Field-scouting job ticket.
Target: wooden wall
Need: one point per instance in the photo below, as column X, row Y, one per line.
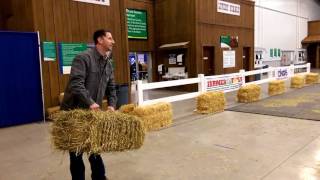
column 71, row 21
column 175, row 22
column 212, row 24
column 314, row 27
column 16, row 15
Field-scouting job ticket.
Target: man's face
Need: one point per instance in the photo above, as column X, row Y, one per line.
column 107, row 42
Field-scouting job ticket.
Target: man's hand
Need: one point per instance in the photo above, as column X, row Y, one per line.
column 110, row 108
column 94, row 106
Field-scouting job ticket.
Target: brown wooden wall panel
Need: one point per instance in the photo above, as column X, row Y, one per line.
column 313, row 27
column 21, row 18
column 71, row 21
column 211, row 25
column 140, row 44
column 175, row 22
column 207, row 13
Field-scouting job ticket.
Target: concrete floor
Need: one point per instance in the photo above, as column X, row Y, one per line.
column 228, row 145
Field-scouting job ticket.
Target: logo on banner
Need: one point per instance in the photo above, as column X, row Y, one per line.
column 225, row 83
column 282, row 74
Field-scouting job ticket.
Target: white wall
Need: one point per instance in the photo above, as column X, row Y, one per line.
column 283, row 23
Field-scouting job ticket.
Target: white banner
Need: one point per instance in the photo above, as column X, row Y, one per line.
column 228, row 8
column 101, row 2
column 224, row 83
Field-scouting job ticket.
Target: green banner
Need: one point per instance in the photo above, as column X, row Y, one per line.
column 69, row 50
column 49, row 51
column 229, row 41
column 137, row 24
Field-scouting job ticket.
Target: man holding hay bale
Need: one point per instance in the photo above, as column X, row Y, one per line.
column 91, row 78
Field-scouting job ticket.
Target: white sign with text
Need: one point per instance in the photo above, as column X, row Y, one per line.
column 228, row 8
column 101, row 2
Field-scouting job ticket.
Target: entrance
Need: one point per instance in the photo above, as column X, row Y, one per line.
column 208, row 60
column 140, row 66
column 246, row 62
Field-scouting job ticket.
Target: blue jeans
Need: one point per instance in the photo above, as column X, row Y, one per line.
column 78, row 170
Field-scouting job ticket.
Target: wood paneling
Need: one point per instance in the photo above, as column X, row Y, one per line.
column 212, row 24
column 175, row 22
column 169, row 21
column 70, row 21
column 314, row 28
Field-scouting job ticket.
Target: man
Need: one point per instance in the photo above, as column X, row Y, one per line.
column 91, row 78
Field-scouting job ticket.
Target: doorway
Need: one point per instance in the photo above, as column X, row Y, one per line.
column 140, row 66
column 208, row 60
column 246, row 62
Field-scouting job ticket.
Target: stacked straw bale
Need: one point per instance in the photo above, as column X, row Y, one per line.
column 96, row 131
column 312, row 78
column 297, row 81
column 154, row 117
column 276, row 87
column 211, row 102
column 249, row 93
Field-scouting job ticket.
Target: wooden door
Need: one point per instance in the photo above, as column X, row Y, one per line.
column 208, row 60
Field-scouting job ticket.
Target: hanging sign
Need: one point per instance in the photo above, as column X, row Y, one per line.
column 101, row 2
column 228, row 8
column 67, row 52
column 49, row 51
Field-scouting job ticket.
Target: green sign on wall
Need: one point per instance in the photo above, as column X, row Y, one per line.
column 67, row 52
column 137, row 24
column 49, row 51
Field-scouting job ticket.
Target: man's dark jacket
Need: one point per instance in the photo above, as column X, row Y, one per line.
column 91, row 78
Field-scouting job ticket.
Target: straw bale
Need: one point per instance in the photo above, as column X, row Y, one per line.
column 96, row 131
column 154, row 117
column 297, row 81
column 312, row 78
column 211, row 102
column 276, row 87
column 249, row 93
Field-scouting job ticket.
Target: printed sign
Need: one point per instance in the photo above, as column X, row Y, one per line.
column 229, row 59
column 137, row 24
column 224, row 83
column 282, row 73
column 67, row 52
column 228, row 8
column 101, row 2
column 49, row 51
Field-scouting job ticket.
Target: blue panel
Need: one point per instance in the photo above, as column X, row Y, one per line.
column 20, row 89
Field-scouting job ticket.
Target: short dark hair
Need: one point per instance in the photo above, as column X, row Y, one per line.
column 99, row 33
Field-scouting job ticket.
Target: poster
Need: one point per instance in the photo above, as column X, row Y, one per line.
column 49, row 51
column 67, row 52
column 229, row 59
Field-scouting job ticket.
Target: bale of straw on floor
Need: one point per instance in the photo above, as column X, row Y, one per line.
column 312, row 78
column 249, row 93
column 297, row 81
column 211, row 102
column 154, row 117
column 276, row 87
column 96, row 131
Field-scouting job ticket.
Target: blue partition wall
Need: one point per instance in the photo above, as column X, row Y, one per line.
column 20, row 79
